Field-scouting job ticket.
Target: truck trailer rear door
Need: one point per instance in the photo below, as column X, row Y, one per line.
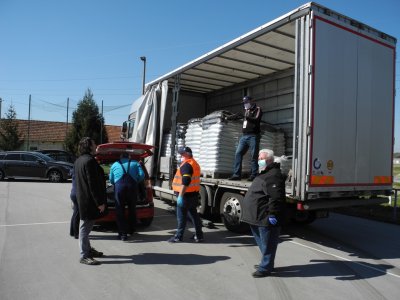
column 351, row 108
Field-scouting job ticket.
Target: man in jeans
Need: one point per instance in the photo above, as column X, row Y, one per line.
column 186, row 186
column 263, row 208
column 91, row 196
column 250, row 139
column 125, row 174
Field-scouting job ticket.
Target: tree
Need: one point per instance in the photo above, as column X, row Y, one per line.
column 9, row 136
column 86, row 121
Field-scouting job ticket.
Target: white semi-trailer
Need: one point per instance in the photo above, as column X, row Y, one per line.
column 326, row 80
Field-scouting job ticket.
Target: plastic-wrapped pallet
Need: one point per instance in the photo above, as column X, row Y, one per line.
column 219, row 138
column 193, row 137
column 181, row 129
column 286, row 163
column 272, row 138
column 166, row 144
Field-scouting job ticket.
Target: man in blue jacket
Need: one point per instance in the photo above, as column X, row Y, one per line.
column 125, row 175
column 263, row 208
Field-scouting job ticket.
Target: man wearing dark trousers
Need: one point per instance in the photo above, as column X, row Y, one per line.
column 263, row 208
column 91, row 196
column 74, row 226
column 186, row 185
column 125, row 175
column 250, row 139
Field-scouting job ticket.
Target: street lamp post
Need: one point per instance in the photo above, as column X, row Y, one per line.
column 143, row 58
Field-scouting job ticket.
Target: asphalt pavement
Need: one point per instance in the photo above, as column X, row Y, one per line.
column 340, row 257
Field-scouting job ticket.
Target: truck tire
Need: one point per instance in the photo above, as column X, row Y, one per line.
column 230, row 210
column 203, row 209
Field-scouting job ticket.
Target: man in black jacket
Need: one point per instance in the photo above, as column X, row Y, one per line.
column 263, row 208
column 91, row 196
column 250, row 139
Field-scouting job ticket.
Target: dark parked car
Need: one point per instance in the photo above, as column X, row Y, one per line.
column 28, row 164
column 59, row 155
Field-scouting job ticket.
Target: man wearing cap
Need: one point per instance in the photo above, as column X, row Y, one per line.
column 186, row 185
column 250, row 139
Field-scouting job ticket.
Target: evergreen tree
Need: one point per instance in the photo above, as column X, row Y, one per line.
column 86, row 121
column 9, row 136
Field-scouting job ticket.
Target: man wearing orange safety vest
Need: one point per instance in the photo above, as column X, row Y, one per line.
column 186, row 186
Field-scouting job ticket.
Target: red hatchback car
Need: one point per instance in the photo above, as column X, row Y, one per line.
column 106, row 155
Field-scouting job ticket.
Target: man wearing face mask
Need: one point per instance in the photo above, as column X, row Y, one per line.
column 250, row 139
column 263, row 208
column 186, row 185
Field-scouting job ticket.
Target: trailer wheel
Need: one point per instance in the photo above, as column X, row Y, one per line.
column 230, row 211
column 203, row 209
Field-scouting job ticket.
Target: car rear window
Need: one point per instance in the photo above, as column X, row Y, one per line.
column 28, row 157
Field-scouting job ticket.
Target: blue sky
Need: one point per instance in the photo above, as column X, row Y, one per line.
column 54, row 50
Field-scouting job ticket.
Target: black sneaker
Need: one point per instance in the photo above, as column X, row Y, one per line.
column 196, row 239
column 234, row 177
column 94, row 253
column 260, row 274
column 251, row 178
column 174, row 239
column 89, row 261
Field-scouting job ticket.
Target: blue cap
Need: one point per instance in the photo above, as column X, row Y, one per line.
column 247, row 99
column 182, row 150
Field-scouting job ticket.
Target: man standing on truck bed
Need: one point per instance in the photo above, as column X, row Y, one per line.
column 263, row 209
column 249, row 140
column 186, row 186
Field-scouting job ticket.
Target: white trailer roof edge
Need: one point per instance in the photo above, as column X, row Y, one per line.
column 270, row 26
column 294, row 14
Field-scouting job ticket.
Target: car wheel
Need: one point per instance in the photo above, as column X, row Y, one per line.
column 2, row 175
column 231, row 210
column 146, row 221
column 55, row 176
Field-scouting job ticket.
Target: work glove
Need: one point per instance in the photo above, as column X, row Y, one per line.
column 272, row 220
column 179, row 201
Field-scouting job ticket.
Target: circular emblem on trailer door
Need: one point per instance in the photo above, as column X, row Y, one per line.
column 317, row 164
column 329, row 165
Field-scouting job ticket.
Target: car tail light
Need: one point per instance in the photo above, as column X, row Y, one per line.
column 149, row 191
column 300, row 206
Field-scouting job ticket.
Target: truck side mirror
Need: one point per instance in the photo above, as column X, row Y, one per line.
column 124, row 130
column 124, row 127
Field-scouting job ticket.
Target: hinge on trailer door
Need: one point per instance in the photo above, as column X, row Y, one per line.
column 309, row 69
column 308, row 130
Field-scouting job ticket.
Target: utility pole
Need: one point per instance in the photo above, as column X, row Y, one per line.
column 1, row 100
column 29, row 123
column 101, row 124
column 143, row 58
column 66, row 127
